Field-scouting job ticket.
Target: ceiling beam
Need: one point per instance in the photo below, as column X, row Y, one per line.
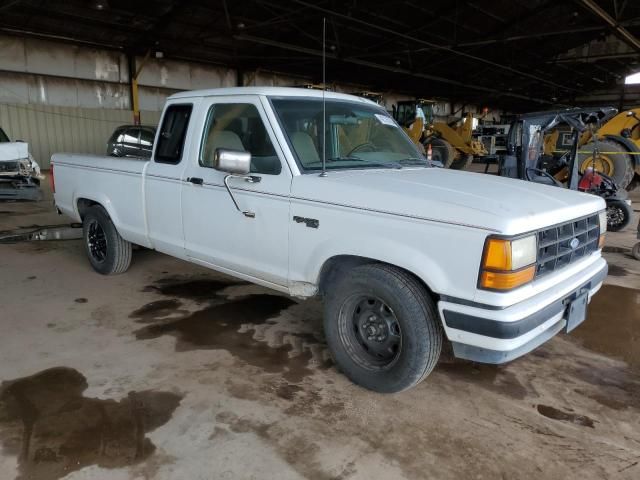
column 435, row 46
column 622, row 32
column 378, row 66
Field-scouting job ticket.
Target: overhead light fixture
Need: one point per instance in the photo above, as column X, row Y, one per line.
column 100, row 4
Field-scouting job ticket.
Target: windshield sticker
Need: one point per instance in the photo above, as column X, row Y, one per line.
column 385, row 120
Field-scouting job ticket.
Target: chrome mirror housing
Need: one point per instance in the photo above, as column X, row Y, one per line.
column 235, row 162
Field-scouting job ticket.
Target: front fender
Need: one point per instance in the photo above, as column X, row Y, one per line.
column 445, row 257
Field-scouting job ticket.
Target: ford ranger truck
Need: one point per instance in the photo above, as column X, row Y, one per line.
column 403, row 254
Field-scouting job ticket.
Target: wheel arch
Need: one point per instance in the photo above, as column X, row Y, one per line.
column 333, row 266
column 83, row 202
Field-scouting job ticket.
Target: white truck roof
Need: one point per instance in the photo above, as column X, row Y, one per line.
column 271, row 91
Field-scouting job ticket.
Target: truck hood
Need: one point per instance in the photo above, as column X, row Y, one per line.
column 12, row 151
column 488, row 202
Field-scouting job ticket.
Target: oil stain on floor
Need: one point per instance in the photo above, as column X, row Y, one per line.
column 612, row 326
column 53, row 429
column 223, row 324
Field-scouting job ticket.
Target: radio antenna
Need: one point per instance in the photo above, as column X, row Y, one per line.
column 324, row 105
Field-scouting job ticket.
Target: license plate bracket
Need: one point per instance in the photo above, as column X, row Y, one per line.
column 577, row 311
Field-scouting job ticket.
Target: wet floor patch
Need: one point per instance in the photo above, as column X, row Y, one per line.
column 617, row 271
column 225, row 324
column 612, row 326
column 42, row 233
column 199, row 289
column 154, row 311
column 557, row 414
column 490, row 377
column 53, row 429
column 218, row 327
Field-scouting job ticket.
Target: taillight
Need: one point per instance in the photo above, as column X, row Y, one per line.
column 52, row 180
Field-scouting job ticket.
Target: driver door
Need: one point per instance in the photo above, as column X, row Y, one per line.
column 217, row 234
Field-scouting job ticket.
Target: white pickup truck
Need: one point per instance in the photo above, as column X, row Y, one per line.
column 402, row 252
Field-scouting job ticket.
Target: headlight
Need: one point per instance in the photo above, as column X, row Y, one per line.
column 602, row 218
column 508, row 264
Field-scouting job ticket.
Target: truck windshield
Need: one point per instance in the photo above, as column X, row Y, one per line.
column 357, row 135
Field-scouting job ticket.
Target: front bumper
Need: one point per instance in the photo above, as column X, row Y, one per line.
column 491, row 334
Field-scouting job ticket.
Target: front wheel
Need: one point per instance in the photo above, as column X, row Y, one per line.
column 108, row 252
column 382, row 328
column 618, row 215
column 635, row 251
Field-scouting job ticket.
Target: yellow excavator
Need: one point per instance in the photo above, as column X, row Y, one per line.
column 618, row 148
column 451, row 145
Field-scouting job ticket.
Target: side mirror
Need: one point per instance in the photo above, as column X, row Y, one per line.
column 234, row 162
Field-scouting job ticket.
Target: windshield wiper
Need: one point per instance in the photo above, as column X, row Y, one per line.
column 369, row 163
column 413, row 161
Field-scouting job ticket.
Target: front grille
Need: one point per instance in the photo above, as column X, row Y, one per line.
column 554, row 244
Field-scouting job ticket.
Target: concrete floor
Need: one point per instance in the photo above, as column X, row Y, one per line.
column 171, row 371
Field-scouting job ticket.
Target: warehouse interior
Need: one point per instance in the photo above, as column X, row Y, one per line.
column 175, row 370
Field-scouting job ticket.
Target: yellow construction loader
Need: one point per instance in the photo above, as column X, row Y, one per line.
column 451, row 145
column 618, row 148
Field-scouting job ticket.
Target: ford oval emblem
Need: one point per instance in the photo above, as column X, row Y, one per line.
column 574, row 243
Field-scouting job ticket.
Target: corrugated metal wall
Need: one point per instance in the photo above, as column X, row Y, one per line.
column 50, row 129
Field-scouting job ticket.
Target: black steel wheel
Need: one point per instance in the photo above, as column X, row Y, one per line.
column 96, row 241
column 371, row 330
column 618, row 215
column 107, row 251
column 382, row 327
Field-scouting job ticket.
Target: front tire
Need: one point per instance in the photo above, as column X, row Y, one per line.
column 382, row 328
column 108, row 252
column 618, row 215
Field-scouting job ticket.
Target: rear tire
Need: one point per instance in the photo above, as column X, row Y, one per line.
column 463, row 161
column 618, row 165
column 382, row 328
column 618, row 215
column 442, row 151
column 108, row 252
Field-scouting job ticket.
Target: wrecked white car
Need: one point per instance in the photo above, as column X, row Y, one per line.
column 19, row 173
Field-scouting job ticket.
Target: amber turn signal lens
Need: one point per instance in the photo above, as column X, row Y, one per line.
column 498, row 254
column 601, row 241
column 507, row 280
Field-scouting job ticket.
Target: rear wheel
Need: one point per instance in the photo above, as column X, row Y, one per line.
column 107, row 251
column 462, row 162
column 618, row 215
column 442, row 151
column 382, row 328
column 613, row 160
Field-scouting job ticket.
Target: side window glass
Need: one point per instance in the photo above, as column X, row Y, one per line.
column 146, row 138
column 131, row 136
column 172, row 134
column 238, row 126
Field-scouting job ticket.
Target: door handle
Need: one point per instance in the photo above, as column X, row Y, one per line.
column 195, row 180
column 252, row 179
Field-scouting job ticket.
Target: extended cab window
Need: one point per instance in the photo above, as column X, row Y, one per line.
column 238, row 126
column 173, row 133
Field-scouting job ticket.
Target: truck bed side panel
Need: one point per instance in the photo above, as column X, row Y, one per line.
column 114, row 183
